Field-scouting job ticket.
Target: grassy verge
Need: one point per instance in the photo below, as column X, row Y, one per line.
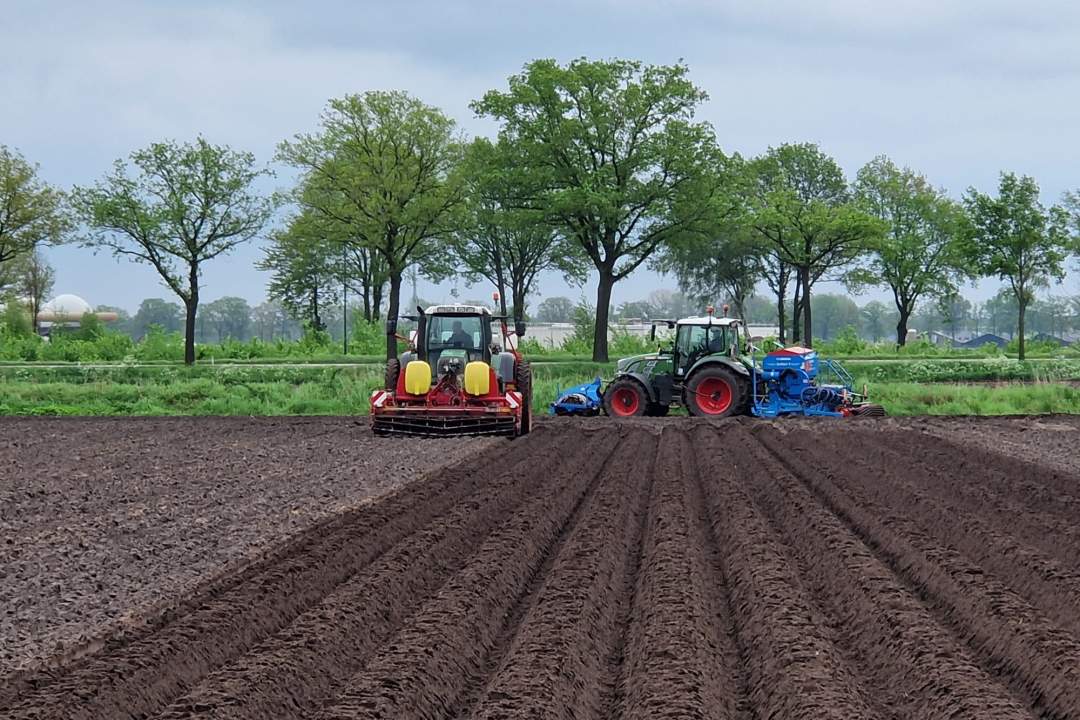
column 345, row 391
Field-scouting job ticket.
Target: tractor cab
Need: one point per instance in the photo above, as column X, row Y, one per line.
column 697, row 338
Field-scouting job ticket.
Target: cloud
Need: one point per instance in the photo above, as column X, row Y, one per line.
column 958, row 90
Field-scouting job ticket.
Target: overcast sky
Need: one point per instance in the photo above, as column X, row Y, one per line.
column 958, row 90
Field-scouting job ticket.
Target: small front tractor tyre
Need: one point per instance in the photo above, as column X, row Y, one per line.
column 393, row 369
column 715, row 392
column 625, row 398
column 523, row 384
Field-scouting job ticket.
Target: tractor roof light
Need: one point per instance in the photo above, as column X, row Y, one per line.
column 726, row 309
column 709, row 310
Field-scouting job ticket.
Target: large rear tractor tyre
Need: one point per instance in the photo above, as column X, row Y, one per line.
column 715, row 392
column 523, row 384
column 625, row 398
column 393, row 369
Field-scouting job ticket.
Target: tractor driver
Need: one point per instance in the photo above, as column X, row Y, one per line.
column 460, row 338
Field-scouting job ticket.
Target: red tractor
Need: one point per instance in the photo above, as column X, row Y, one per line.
column 456, row 378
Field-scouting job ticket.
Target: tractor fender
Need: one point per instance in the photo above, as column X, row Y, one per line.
column 643, row 381
column 735, row 365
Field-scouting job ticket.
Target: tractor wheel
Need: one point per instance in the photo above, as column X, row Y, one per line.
column 393, row 369
column 625, row 398
column 715, row 391
column 656, row 410
column 523, row 384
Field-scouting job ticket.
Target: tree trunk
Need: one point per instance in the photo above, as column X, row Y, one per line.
column 191, row 306
column 519, row 301
column 1022, row 307
column 392, row 308
column 796, row 310
column 603, row 306
column 781, row 309
column 376, row 301
column 808, row 325
column 901, row 327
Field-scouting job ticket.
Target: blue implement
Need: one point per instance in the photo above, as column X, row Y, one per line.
column 579, row 400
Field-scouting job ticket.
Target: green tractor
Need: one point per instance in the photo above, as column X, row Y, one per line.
column 704, row 370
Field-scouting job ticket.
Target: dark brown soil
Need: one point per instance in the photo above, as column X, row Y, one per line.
column 104, row 520
column 647, row 569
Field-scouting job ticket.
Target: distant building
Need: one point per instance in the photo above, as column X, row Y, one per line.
column 67, row 311
column 981, row 340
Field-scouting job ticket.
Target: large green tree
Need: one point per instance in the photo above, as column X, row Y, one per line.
column 185, row 205
column 386, row 168
column 501, row 239
column 1016, row 239
column 156, row 311
column 31, row 211
column 800, row 204
column 619, row 163
column 919, row 253
column 304, row 269
column 228, row 317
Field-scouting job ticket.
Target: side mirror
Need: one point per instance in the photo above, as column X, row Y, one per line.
column 652, row 334
column 391, row 326
column 519, row 328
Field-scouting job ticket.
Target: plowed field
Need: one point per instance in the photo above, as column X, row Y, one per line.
column 654, row 569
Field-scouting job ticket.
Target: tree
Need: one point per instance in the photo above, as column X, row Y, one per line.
column 122, row 324
column 619, row 165
column 385, row 167
column 304, row 269
column 726, row 266
column 270, row 321
column 954, row 311
column 555, row 309
column 500, row 241
column 186, row 205
column 799, row 203
column 31, row 211
column 230, row 317
column 834, row 313
column 875, row 315
column 35, row 278
column 155, row 311
column 918, row 254
column 1016, row 239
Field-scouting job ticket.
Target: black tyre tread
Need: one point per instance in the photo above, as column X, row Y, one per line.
column 393, row 370
column 626, row 382
column 523, row 384
column 740, row 388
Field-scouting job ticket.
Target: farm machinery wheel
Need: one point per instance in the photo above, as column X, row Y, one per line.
column 523, row 383
column 715, row 392
column 393, row 369
column 625, row 398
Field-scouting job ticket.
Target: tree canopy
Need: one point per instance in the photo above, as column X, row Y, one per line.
column 386, row 168
column 800, row 204
column 919, row 252
column 185, row 205
column 619, row 164
column 1013, row 237
column 31, row 211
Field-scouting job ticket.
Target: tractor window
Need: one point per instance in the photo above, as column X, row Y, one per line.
column 696, row 341
column 462, row 333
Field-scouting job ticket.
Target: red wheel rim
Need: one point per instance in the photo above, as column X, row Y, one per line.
column 625, row 402
column 713, row 396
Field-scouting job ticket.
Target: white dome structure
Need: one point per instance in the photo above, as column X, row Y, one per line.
column 68, row 306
